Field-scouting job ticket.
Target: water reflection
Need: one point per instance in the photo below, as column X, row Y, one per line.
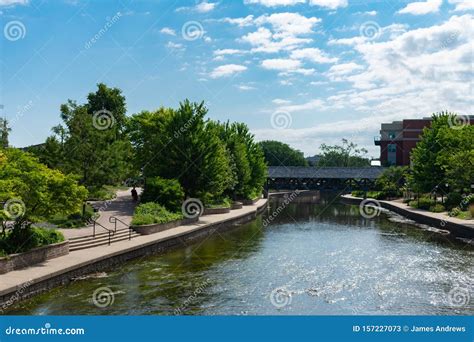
column 325, row 255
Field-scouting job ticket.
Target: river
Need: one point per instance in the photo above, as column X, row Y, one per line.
column 315, row 257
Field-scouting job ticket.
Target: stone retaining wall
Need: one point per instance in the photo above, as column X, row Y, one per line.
column 31, row 289
column 458, row 230
column 34, row 256
column 214, row 211
column 159, row 227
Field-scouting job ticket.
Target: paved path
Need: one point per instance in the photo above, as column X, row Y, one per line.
column 121, row 207
column 440, row 216
column 12, row 281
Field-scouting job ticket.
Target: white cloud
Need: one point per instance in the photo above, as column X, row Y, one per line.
column 167, row 30
column 274, row 3
column 245, row 87
column 227, row 70
column 281, row 102
column 422, row 7
column 4, row 3
column 312, row 54
column 205, row 7
column 281, row 64
column 462, row 5
column 280, row 31
column 372, row 13
column 242, row 22
column 222, row 52
column 310, row 105
column 175, row 46
column 344, row 69
column 331, row 4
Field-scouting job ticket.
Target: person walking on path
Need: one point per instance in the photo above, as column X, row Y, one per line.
column 134, row 194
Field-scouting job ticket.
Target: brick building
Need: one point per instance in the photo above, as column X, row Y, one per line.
column 399, row 137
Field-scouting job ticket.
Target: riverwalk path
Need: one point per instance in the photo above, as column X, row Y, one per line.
column 40, row 277
column 440, row 220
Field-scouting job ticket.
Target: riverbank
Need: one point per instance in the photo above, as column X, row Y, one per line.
column 24, row 283
column 457, row 227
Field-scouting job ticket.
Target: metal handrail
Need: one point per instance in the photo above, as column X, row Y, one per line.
column 110, row 231
column 114, row 219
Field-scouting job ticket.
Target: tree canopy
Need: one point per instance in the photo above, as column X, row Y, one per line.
column 346, row 155
column 445, row 155
column 31, row 192
column 281, row 154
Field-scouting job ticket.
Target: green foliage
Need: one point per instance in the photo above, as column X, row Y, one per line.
column 219, row 203
column 167, row 192
column 101, row 193
column 444, row 155
column 437, row 208
column 424, row 203
column 345, row 155
column 4, row 132
column 455, row 212
column 280, row 154
column 91, row 142
column 454, row 199
column 23, row 239
column 209, row 159
column 391, row 181
column 43, row 191
column 150, row 213
column 75, row 220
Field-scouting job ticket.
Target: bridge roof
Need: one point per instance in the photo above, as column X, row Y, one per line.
column 324, row 172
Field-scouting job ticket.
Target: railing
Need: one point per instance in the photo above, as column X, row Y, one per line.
column 110, row 231
column 114, row 219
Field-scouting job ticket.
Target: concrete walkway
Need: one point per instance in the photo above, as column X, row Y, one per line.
column 12, row 282
column 438, row 216
column 121, row 207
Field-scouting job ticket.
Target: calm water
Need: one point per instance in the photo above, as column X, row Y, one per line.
column 324, row 257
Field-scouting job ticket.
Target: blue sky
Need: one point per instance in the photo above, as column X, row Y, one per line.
column 302, row 71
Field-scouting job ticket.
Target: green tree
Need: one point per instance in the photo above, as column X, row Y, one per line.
column 92, row 142
column 32, row 192
column 280, row 154
column 392, row 180
column 345, row 155
column 444, row 155
column 4, row 133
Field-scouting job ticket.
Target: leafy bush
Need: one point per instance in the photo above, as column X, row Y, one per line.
column 455, row 212
column 423, row 203
column 220, row 203
column 358, row 193
column 437, row 208
column 150, row 213
column 23, row 239
column 74, row 220
column 167, row 192
column 453, row 200
column 100, row 193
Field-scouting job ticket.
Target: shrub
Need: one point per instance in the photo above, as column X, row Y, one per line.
column 453, row 200
column 219, row 203
column 437, row 208
column 358, row 193
column 454, row 212
column 379, row 195
column 423, row 203
column 23, row 239
column 167, row 192
column 100, row 193
column 150, row 213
